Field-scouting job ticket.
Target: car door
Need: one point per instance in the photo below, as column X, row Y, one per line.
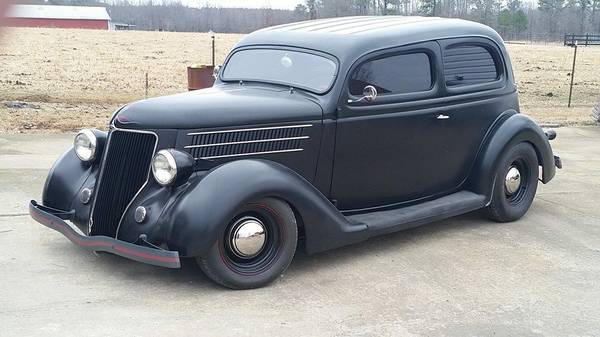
column 397, row 148
column 477, row 92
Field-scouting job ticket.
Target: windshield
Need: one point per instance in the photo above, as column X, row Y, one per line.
column 297, row 69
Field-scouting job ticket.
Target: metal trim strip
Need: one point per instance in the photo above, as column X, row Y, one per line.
column 248, row 142
column 249, row 154
column 250, row 129
column 147, row 177
column 101, row 175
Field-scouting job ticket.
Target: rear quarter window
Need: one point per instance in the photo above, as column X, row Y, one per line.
column 468, row 65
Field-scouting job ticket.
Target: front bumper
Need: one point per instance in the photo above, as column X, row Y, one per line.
column 55, row 219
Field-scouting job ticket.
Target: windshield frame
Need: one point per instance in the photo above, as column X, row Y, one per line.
column 287, row 84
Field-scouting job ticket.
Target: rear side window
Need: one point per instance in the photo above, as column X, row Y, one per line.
column 398, row 74
column 469, row 64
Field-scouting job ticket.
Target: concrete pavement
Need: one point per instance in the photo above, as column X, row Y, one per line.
column 465, row 276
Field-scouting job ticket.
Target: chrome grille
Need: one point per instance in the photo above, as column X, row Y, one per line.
column 125, row 170
column 247, row 142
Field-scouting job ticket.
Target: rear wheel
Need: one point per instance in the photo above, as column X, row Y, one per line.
column 516, row 184
column 255, row 248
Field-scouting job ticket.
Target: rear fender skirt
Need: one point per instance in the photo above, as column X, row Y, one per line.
column 209, row 204
column 513, row 130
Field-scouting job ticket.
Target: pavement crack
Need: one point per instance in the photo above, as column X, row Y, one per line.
column 6, row 231
column 568, row 207
column 13, row 215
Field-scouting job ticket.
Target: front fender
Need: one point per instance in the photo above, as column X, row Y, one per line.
column 513, row 130
column 207, row 206
column 65, row 179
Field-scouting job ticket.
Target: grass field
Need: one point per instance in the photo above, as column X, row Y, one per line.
column 68, row 79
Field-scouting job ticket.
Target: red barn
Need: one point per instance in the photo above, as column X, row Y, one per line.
column 58, row 17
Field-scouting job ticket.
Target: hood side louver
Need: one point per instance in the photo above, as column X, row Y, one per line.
column 221, row 144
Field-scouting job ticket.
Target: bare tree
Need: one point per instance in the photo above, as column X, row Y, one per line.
column 549, row 19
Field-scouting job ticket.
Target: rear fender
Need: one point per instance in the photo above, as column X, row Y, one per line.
column 201, row 213
column 511, row 131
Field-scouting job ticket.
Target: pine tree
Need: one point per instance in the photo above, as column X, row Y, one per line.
column 428, row 7
column 552, row 8
column 313, row 8
column 512, row 19
column 301, row 12
column 485, row 11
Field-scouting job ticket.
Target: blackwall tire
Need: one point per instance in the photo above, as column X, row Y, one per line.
column 512, row 199
column 226, row 264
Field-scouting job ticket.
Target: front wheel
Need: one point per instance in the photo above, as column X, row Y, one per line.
column 255, row 248
column 516, row 184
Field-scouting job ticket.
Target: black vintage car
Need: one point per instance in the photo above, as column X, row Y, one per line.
column 323, row 133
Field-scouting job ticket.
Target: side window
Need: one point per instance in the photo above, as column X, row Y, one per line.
column 398, row 74
column 468, row 64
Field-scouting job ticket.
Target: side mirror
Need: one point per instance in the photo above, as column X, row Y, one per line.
column 216, row 72
column 369, row 95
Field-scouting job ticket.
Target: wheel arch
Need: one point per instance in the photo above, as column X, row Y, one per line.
column 510, row 130
column 210, row 202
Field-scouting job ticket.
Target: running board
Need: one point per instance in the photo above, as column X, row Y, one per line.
column 388, row 221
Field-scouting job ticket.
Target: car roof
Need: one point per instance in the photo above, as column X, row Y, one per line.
column 351, row 37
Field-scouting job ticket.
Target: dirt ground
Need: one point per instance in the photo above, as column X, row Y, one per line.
column 62, row 80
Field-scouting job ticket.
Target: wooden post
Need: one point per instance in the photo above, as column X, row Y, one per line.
column 213, row 50
column 572, row 74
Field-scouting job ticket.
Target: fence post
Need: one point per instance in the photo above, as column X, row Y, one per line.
column 213, row 49
column 572, row 74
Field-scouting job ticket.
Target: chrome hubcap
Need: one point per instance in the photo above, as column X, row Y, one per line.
column 512, row 182
column 247, row 237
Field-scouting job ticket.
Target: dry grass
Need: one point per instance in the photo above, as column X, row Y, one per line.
column 543, row 73
column 76, row 78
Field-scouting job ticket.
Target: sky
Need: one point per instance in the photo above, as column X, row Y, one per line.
column 276, row 4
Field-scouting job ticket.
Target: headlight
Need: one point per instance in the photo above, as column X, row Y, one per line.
column 85, row 145
column 164, row 167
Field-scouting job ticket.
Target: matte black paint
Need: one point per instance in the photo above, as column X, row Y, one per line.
column 219, row 107
column 65, row 179
column 303, row 162
column 511, row 129
column 367, row 168
column 185, row 166
column 193, row 220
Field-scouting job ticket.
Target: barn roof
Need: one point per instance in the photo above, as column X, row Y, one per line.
column 58, row 12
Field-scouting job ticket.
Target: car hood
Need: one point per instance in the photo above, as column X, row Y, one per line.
column 218, row 107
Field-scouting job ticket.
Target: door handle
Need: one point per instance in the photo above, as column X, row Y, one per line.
column 442, row 116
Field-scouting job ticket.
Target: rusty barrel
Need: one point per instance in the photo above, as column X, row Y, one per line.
column 200, row 77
